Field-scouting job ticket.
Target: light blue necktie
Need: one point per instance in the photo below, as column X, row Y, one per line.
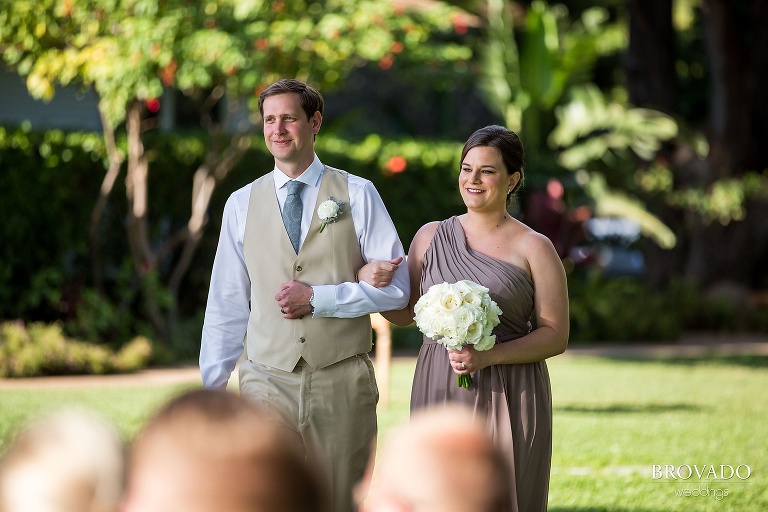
column 292, row 211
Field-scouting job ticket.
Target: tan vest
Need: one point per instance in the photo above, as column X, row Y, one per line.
column 330, row 257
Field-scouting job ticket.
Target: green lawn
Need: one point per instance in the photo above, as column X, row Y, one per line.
column 614, row 420
column 126, row 407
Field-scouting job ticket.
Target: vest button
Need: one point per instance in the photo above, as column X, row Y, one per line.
column 298, row 269
column 302, row 339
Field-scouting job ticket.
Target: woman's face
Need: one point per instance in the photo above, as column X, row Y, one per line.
column 484, row 181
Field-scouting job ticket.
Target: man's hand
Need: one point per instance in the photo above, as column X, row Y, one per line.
column 293, row 299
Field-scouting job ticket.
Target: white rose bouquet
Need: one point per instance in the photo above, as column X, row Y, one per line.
column 456, row 315
column 328, row 211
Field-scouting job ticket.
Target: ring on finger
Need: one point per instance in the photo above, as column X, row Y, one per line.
column 463, row 366
column 282, row 310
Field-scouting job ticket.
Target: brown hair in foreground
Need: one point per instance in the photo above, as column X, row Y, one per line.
column 441, row 461
column 209, row 451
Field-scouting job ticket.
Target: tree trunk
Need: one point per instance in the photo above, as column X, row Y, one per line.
column 220, row 160
column 651, row 79
column 736, row 43
column 136, row 188
column 651, row 57
column 115, row 158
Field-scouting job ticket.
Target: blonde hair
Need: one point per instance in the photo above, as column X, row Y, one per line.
column 68, row 461
column 424, row 459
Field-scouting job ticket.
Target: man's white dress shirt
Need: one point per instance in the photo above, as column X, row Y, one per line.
column 227, row 310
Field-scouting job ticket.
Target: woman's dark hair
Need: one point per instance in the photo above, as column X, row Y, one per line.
column 311, row 99
column 508, row 144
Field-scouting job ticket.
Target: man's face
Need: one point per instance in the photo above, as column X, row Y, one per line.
column 288, row 133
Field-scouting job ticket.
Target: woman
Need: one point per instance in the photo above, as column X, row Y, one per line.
column 526, row 278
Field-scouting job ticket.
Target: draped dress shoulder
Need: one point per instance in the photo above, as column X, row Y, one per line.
column 514, row 399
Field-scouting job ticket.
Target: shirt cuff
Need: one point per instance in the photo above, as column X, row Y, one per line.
column 325, row 301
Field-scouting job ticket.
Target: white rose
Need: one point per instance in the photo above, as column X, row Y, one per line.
column 452, row 343
column 462, row 317
column 450, row 299
column 448, row 328
column 486, row 343
column 431, row 324
column 474, row 332
column 328, row 209
column 473, row 299
column 492, row 314
column 426, row 302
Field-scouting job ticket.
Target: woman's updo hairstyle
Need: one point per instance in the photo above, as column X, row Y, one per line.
column 508, row 144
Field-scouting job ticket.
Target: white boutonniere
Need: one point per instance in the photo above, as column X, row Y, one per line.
column 329, row 211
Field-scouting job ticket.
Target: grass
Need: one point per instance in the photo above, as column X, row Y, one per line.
column 126, row 407
column 614, row 420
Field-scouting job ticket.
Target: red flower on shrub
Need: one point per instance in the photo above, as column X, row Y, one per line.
column 153, row 105
column 396, row 164
column 386, row 62
column 459, row 25
column 168, row 73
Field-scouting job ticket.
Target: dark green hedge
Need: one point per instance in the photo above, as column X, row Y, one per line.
column 49, row 182
column 47, row 185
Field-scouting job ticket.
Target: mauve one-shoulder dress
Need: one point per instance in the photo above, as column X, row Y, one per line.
column 514, row 399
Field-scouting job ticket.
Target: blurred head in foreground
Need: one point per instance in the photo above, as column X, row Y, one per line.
column 441, row 461
column 68, row 461
column 209, row 451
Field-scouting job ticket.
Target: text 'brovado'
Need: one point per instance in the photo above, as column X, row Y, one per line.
column 700, row 471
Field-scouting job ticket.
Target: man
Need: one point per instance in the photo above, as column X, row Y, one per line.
column 441, row 461
column 307, row 331
column 209, row 451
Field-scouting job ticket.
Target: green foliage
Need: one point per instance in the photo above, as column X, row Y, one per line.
column 539, row 78
column 217, row 52
column 601, row 140
column 620, row 310
column 185, row 343
column 406, row 338
column 627, row 309
column 42, row 176
column 131, row 50
column 39, row 349
column 133, row 356
column 530, row 62
column 592, row 128
column 724, row 200
column 416, row 179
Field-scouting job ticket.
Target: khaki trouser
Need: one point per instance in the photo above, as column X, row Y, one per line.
column 331, row 411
